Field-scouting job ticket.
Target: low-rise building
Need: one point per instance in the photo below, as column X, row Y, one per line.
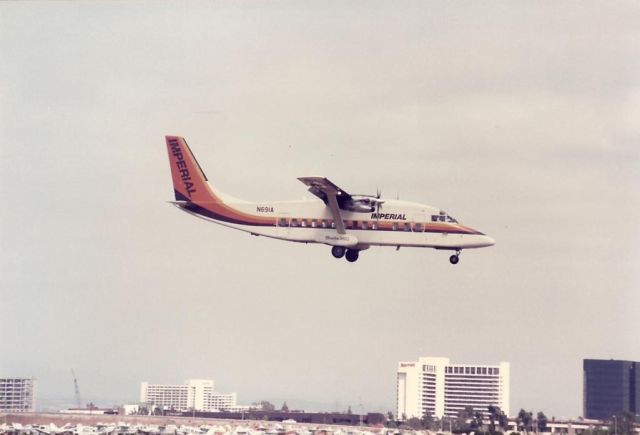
column 194, row 394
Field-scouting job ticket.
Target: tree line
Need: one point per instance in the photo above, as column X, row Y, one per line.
column 469, row 420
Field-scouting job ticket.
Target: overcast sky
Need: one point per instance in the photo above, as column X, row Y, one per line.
column 521, row 119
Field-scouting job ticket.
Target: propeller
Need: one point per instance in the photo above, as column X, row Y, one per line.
column 378, row 202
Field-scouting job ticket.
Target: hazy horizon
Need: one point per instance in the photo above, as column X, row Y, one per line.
column 519, row 119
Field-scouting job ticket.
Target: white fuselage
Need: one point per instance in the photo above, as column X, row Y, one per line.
column 396, row 223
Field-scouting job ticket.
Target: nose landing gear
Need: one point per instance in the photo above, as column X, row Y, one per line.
column 455, row 258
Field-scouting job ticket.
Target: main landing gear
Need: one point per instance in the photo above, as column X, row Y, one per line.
column 455, row 258
column 350, row 254
column 338, row 251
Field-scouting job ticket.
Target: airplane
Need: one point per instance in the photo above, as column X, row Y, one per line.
column 346, row 222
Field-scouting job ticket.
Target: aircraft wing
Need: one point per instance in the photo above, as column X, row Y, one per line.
column 331, row 194
column 319, row 186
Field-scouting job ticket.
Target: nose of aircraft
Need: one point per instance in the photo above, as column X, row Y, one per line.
column 488, row 241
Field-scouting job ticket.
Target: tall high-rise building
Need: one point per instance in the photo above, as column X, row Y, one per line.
column 435, row 386
column 610, row 386
column 194, row 394
column 17, row 394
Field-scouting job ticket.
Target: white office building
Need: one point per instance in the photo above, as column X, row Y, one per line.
column 435, row 386
column 17, row 394
column 194, row 394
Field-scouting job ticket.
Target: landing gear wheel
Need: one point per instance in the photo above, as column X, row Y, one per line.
column 454, row 259
column 352, row 255
column 338, row 251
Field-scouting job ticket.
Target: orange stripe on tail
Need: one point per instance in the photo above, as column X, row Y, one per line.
column 189, row 181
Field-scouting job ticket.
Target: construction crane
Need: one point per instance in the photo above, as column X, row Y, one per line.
column 77, row 389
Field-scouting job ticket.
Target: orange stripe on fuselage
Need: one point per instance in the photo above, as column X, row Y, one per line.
column 234, row 214
column 224, row 212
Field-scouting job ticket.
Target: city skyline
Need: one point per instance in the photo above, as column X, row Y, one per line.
column 517, row 118
column 206, row 386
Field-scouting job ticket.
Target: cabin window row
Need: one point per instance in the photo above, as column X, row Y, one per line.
column 349, row 224
column 313, row 223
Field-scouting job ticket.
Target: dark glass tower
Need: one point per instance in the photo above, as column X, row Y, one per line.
column 610, row 386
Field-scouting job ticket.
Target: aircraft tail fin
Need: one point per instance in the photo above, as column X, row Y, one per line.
column 189, row 180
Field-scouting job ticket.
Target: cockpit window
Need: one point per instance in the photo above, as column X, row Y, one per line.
column 443, row 217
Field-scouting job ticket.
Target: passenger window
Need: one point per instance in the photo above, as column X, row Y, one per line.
column 394, row 226
column 333, row 224
column 314, row 223
column 407, row 226
column 294, row 222
column 374, row 225
column 417, row 227
column 283, row 222
column 303, row 222
column 324, row 223
column 365, row 225
column 355, row 225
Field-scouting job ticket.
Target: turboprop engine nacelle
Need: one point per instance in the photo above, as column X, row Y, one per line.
column 338, row 239
column 361, row 204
